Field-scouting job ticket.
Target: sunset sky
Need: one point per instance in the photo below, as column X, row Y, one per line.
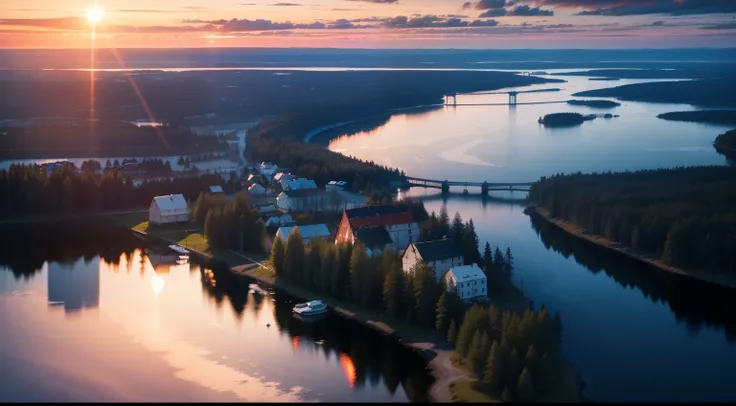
column 370, row 23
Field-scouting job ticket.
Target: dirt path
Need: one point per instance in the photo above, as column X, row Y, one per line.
column 445, row 374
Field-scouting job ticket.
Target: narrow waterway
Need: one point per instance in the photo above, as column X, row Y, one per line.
column 635, row 333
column 100, row 316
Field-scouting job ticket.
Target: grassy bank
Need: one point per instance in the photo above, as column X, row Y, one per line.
column 725, row 280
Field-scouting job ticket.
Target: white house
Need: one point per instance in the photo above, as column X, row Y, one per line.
column 336, row 185
column 256, row 190
column 439, row 254
column 302, row 200
column 216, row 189
column 268, row 169
column 399, row 223
column 297, row 184
column 469, row 282
column 308, row 233
column 168, row 209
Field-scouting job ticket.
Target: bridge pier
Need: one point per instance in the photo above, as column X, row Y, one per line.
column 445, row 188
column 512, row 98
column 484, row 189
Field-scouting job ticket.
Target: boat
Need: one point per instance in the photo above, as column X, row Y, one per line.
column 310, row 308
column 179, row 249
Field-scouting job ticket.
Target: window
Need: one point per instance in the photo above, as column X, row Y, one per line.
column 482, row 290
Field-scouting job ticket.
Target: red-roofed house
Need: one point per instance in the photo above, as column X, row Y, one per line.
column 399, row 225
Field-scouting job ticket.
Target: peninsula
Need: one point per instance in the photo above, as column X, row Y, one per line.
column 679, row 220
column 725, row 144
column 702, row 116
column 706, row 92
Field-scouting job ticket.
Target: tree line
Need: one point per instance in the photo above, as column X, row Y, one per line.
column 685, row 216
column 235, row 226
column 30, row 190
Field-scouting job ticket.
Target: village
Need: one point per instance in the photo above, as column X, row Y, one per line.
column 286, row 203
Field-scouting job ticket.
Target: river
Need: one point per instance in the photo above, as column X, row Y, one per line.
column 635, row 333
column 100, row 316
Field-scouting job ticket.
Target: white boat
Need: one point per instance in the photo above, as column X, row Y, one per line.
column 310, row 308
column 179, row 249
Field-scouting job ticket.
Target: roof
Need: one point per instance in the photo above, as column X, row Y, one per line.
column 382, row 220
column 300, row 193
column 255, row 186
column 309, row 231
column 216, row 189
column 437, row 250
column 373, row 237
column 338, row 183
column 170, row 202
column 373, row 211
column 283, row 176
column 298, row 184
column 467, row 273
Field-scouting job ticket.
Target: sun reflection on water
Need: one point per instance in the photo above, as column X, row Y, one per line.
column 157, row 283
column 348, row 368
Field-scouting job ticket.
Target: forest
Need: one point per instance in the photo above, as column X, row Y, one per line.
column 598, row 104
column 102, row 140
column 725, row 144
column 706, row 92
column 564, row 119
column 29, row 190
column 685, row 216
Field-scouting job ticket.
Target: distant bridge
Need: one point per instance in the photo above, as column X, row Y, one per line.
column 512, row 95
column 485, row 187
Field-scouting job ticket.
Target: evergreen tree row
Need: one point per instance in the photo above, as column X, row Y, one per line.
column 30, row 190
column 686, row 216
column 237, row 226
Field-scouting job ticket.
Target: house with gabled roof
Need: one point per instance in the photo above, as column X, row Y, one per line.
column 398, row 223
column 439, row 254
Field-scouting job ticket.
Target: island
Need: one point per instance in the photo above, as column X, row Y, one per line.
column 705, row 92
column 604, row 79
column 565, row 119
column 702, row 116
column 679, row 220
column 598, row 104
column 725, row 144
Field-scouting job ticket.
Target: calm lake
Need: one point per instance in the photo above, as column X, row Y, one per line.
column 636, row 334
column 96, row 315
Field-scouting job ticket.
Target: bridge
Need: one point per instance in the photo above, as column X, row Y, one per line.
column 485, row 187
column 512, row 95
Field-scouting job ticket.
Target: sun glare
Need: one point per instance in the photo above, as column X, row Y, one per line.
column 95, row 15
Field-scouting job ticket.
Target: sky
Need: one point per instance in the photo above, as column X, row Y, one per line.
column 478, row 24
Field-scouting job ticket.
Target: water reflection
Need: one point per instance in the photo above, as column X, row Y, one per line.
column 693, row 302
column 74, row 286
column 180, row 331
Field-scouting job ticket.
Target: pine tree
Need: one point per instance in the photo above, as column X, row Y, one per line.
column 441, row 322
column 482, row 356
column 452, row 334
column 525, row 387
column 277, row 256
column 498, row 261
column 493, row 373
column 457, row 229
column 294, row 258
column 200, row 208
column 506, row 395
column 515, row 367
column 391, row 291
column 531, row 361
column 472, row 356
column 488, row 255
column 508, row 263
column 358, row 264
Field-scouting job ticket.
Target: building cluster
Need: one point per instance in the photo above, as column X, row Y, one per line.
column 377, row 227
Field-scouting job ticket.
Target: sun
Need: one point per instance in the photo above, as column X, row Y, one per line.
column 95, row 15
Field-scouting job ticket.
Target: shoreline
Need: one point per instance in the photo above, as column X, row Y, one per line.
column 428, row 344
column 723, row 281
